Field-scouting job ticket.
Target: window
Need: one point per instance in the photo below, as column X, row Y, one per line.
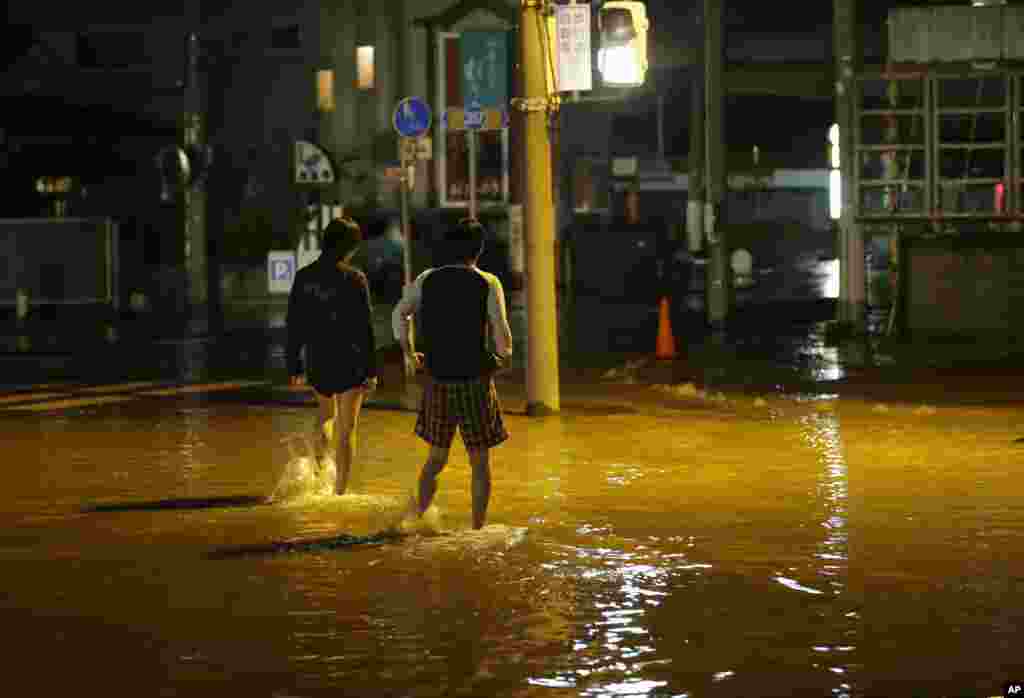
column 364, row 67
column 486, row 155
column 325, row 90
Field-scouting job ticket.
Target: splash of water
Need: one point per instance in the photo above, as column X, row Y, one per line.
column 308, row 482
column 305, row 474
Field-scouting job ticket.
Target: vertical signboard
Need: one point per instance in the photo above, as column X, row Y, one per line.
column 572, row 26
column 484, row 69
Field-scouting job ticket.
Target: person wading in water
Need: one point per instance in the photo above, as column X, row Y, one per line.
column 458, row 305
column 330, row 314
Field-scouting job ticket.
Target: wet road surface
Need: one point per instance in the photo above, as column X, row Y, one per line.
column 788, row 546
column 710, row 527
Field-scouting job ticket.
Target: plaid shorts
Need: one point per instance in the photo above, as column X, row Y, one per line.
column 471, row 405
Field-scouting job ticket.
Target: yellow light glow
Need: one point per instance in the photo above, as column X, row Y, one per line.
column 325, row 90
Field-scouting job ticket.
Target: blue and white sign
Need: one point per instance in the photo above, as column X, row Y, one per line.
column 474, row 116
column 280, row 271
column 485, row 71
column 412, row 117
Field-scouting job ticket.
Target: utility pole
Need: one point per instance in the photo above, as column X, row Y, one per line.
column 695, row 162
column 194, row 195
column 718, row 289
column 542, row 380
column 851, row 309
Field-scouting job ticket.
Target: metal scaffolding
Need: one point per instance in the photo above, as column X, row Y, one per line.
column 940, row 147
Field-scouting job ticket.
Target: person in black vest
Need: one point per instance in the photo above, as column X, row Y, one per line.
column 330, row 314
column 461, row 308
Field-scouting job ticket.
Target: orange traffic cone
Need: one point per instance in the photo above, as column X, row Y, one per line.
column 666, row 346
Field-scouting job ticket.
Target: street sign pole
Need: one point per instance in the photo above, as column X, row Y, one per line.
column 473, row 144
column 405, row 185
column 411, row 120
column 474, row 119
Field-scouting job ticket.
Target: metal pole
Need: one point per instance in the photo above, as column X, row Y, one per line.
column 850, row 310
column 695, row 190
column 718, row 287
column 472, row 145
column 194, row 199
column 406, row 236
column 406, row 185
column 542, row 381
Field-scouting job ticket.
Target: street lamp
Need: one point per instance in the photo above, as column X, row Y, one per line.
column 622, row 56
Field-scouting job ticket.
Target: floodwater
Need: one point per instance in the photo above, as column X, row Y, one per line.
column 788, row 547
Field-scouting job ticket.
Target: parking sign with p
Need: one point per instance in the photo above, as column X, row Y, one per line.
column 280, row 271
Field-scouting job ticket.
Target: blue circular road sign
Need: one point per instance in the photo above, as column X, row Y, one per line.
column 412, row 117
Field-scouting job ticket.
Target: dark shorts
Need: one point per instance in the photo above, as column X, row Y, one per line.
column 332, row 389
column 471, row 406
column 335, row 379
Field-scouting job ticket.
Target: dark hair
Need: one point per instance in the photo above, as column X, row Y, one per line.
column 464, row 241
column 341, row 236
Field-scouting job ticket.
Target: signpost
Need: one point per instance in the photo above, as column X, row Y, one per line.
column 474, row 121
column 411, row 119
column 280, row 271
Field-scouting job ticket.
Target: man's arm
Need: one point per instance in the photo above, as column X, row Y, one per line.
column 401, row 316
column 498, row 317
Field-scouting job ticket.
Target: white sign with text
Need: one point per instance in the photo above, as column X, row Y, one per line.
column 572, row 25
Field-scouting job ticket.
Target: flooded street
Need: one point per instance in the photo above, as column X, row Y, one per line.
column 786, row 547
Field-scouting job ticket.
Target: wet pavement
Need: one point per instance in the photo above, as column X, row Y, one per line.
column 768, row 515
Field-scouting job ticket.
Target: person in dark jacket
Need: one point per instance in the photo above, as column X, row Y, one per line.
column 331, row 316
column 461, row 312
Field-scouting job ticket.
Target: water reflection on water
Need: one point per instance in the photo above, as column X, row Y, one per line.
column 810, row 548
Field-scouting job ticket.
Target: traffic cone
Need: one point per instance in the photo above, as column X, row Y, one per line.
column 666, row 345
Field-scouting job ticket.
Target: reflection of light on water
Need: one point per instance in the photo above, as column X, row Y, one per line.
column 613, row 649
column 796, row 586
column 196, row 424
column 627, row 688
column 822, row 434
column 829, row 270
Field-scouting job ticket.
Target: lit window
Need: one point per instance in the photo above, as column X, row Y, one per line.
column 364, row 67
column 325, row 90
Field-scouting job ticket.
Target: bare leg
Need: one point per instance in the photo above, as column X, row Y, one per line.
column 436, row 461
column 346, row 423
column 481, row 488
column 327, row 410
